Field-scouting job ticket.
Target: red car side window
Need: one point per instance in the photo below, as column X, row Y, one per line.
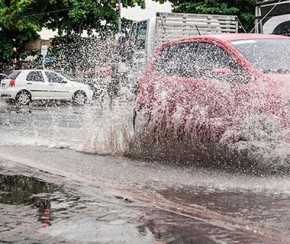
column 177, row 60
column 212, row 58
column 198, row 60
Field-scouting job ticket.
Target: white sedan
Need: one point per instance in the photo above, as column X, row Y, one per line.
column 24, row 86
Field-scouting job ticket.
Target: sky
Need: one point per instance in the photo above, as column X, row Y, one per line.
column 130, row 13
column 151, row 8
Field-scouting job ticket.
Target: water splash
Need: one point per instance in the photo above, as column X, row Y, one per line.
column 189, row 132
column 110, row 133
column 212, row 129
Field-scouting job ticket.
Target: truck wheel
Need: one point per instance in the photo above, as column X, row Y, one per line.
column 79, row 98
column 23, row 98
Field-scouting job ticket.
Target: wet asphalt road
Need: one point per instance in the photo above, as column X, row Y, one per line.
column 114, row 199
column 118, row 200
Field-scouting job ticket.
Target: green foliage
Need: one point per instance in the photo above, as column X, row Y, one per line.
column 20, row 20
column 66, row 16
column 10, row 40
column 244, row 9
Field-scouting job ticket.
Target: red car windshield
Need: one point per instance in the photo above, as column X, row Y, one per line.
column 267, row 55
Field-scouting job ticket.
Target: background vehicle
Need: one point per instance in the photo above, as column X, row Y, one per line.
column 272, row 17
column 25, row 86
column 2, row 76
column 146, row 35
column 208, row 85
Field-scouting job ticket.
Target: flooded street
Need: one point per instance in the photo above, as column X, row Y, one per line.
column 64, row 180
column 144, row 122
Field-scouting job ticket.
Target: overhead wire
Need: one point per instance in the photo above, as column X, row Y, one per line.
column 241, row 25
column 49, row 12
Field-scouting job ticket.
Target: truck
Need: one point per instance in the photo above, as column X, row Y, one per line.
column 146, row 35
column 272, row 17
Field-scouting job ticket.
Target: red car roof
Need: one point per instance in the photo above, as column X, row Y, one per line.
column 245, row 36
column 226, row 37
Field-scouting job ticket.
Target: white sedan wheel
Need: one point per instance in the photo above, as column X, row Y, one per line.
column 79, row 98
column 23, row 98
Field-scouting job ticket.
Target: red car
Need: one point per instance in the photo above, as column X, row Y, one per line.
column 212, row 87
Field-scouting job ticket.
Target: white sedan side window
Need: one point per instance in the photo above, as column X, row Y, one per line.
column 35, row 76
column 53, row 77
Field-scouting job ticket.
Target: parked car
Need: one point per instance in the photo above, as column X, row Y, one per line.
column 2, row 76
column 210, row 85
column 24, row 86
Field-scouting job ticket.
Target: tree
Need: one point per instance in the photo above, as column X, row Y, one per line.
column 65, row 16
column 20, row 20
column 244, row 9
column 14, row 32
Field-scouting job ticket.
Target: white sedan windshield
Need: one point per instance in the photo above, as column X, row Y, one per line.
column 267, row 55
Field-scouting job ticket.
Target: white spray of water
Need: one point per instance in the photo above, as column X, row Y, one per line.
column 209, row 113
column 110, row 133
column 263, row 139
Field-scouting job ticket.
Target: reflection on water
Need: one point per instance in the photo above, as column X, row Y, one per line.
column 45, row 197
column 44, row 212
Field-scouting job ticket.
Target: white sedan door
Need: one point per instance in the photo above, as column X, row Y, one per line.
column 36, row 84
column 59, row 87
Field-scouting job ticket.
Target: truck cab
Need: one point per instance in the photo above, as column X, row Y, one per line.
column 141, row 42
column 272, row 17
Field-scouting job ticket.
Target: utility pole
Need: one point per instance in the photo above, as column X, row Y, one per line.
column 43, row 53
column 118, row 8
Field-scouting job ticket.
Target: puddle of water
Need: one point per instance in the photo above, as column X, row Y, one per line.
column 19, row 189
column 48, row 199
column 96, row 217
